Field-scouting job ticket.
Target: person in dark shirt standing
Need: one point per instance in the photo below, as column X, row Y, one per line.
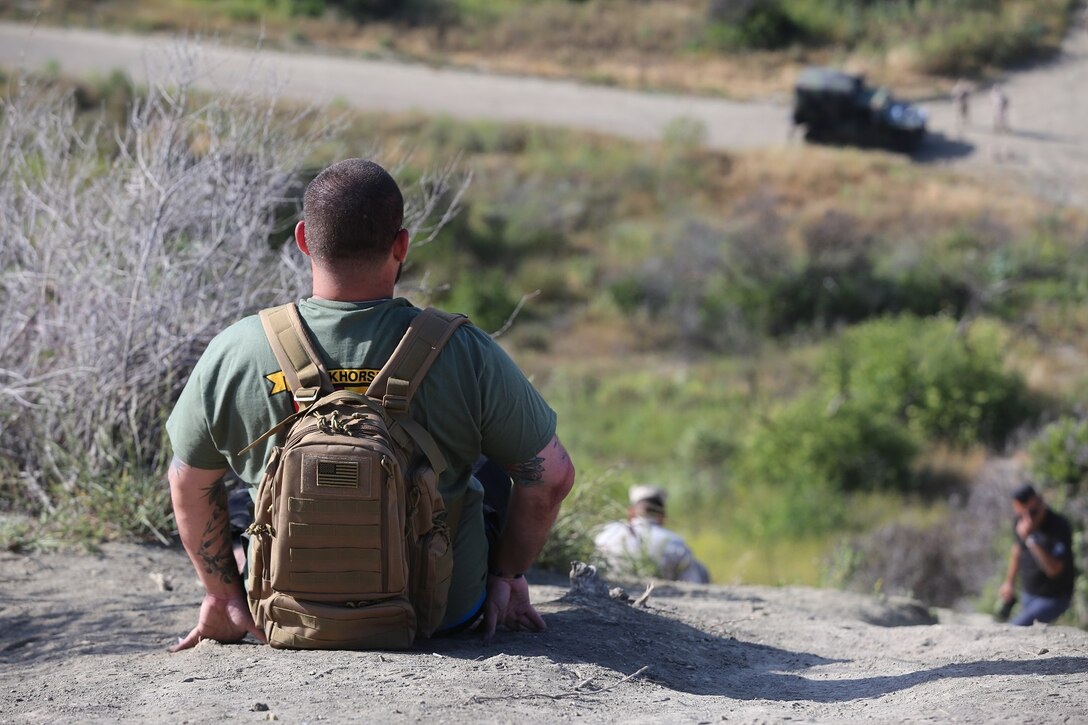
column 1043, row 558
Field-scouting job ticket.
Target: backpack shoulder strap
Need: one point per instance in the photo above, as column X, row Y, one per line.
column 399, row 378
column 302, row 367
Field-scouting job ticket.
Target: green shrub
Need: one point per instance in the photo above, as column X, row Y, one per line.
column 484, row 296
column 978, row 40
column 706, row 445
column 629, row 293
column 830, row 445
column 951, row 37
column 887, row 388
column 946, row 385
column 591, row 503
column 765, row 25
column 1059, row 456
column 363, row 10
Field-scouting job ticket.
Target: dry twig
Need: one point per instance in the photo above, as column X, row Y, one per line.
column 644, row 597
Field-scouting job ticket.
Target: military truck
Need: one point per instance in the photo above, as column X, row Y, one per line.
column 839, row 108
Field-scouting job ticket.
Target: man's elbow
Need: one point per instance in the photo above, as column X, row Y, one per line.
column 560, row 486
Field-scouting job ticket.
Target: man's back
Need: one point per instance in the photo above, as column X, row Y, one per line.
column 474, row 399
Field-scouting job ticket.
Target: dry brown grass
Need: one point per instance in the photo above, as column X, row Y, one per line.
column 884, row 190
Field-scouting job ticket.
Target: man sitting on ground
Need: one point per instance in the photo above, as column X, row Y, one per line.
column 474, row 401
column 642, row 546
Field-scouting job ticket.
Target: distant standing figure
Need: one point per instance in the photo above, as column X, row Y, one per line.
column 961, row 95
column 1000, row 101
column 1043, row 559
column 642, row 541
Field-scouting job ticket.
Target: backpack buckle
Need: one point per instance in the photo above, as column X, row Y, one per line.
column 395, row 403
column 306, row 395
column 395, row 399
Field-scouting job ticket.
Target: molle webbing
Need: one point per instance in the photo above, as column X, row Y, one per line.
column 339, row 534
column 355, row 509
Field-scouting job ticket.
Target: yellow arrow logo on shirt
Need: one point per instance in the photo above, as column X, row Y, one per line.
column 357, row 380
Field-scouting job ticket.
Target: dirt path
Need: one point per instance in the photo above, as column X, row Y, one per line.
column 373, row 85
column 1047, row 147
column 83, row 639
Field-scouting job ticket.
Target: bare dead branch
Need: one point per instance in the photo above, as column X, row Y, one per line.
column 513, row 315
column 127, row 247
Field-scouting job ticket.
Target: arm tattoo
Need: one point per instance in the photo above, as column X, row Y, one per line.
column 555, row 444
column 218, row 557
column 529, row 473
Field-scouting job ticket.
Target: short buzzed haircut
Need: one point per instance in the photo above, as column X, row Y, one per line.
column 353, row 211
column 1024, row 493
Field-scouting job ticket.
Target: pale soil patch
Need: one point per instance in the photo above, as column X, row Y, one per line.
column 83, row 638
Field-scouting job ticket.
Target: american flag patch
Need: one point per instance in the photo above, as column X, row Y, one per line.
column 338, row 473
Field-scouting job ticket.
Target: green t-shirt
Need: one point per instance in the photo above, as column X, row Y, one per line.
column 473, row 401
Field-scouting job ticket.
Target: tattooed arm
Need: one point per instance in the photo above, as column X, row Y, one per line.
column 540, row 485
column 200, row 508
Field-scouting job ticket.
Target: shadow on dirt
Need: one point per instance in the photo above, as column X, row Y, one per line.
column 622, row 638
column 776, row 685
column 939, row 147
column 678, row 656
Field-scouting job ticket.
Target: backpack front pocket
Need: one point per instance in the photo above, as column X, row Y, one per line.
column 300, row 624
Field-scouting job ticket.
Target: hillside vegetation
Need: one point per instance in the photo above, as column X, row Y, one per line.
column 815, row 350
column 740, row 48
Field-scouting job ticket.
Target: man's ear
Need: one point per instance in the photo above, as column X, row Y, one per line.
column 300, row 237
column 400, row 245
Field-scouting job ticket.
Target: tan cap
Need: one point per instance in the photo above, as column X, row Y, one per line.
column 644, row 493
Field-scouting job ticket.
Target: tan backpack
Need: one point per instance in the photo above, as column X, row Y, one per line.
column 351, row 543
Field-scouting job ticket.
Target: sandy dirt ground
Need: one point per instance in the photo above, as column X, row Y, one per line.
column 83, row 638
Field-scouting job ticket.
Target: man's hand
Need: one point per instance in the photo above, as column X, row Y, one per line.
column 224, row 620
column 1024, row 527
column 508, row 603
column 1007, row 592
column 201, row 511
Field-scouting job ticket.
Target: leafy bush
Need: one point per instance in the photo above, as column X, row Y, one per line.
column 830, row 445
column 980, row 39
column 759, row 25
column 1059, row 456
column 889, row 387
column 946, row 385
column 364, row 10
column 590, row 504
column 484, row 296
column 951, row 37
